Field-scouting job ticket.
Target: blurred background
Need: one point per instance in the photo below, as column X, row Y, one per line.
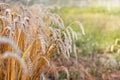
column 80, row 3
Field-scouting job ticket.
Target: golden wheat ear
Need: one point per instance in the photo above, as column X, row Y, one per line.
column 4, row 40
column 16, row 57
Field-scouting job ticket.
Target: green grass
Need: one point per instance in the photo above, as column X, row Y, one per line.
column 101, row 26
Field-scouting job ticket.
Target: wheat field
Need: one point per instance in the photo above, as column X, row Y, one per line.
column 34, row 43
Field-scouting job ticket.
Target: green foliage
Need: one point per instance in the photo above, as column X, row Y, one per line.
column 101, row 26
